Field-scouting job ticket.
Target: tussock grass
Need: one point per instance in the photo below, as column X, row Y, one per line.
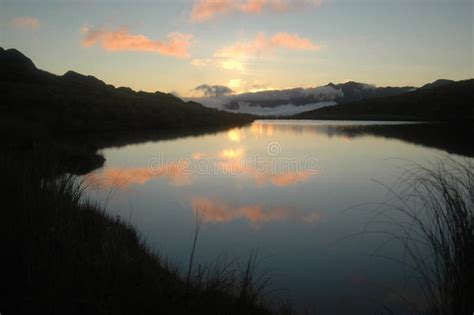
column 433, row 214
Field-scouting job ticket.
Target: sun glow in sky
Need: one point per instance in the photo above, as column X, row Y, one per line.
column 246, row 45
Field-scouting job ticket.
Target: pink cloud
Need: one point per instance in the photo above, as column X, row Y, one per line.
column 284, row 179
column 204, row 10
column 218, row 211
column 30, row 23
column 263, row 43
column 231, row 162
column 176, row 45
column 176, row 174
column 293, row 41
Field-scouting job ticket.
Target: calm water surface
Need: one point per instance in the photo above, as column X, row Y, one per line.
column 297, row 191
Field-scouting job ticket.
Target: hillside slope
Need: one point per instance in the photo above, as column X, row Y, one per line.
column 77, row 103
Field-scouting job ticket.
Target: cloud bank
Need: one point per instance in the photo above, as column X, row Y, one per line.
column 281, row 110
column 274, row 102
column 176, row 45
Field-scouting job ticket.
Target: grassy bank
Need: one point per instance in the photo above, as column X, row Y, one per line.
column 442, row 196
column 433, row 212
column 64, row 255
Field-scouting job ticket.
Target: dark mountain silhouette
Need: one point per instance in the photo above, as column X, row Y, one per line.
column 87, row 81
column 78, row 103
column 17, row 67
column 440, row 101
column 437, row 83
column 12, row 59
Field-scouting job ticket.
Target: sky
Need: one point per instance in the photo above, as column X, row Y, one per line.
column 246, row 45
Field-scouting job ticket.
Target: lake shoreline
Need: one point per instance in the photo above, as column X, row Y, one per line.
column 62, row 245
column 60, row 218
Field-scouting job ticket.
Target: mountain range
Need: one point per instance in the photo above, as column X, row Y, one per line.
column 297, row 100
column 80, row 103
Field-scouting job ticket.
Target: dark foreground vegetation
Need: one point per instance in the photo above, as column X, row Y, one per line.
column 434, row 215
column 64, row 255
column 447, row 102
